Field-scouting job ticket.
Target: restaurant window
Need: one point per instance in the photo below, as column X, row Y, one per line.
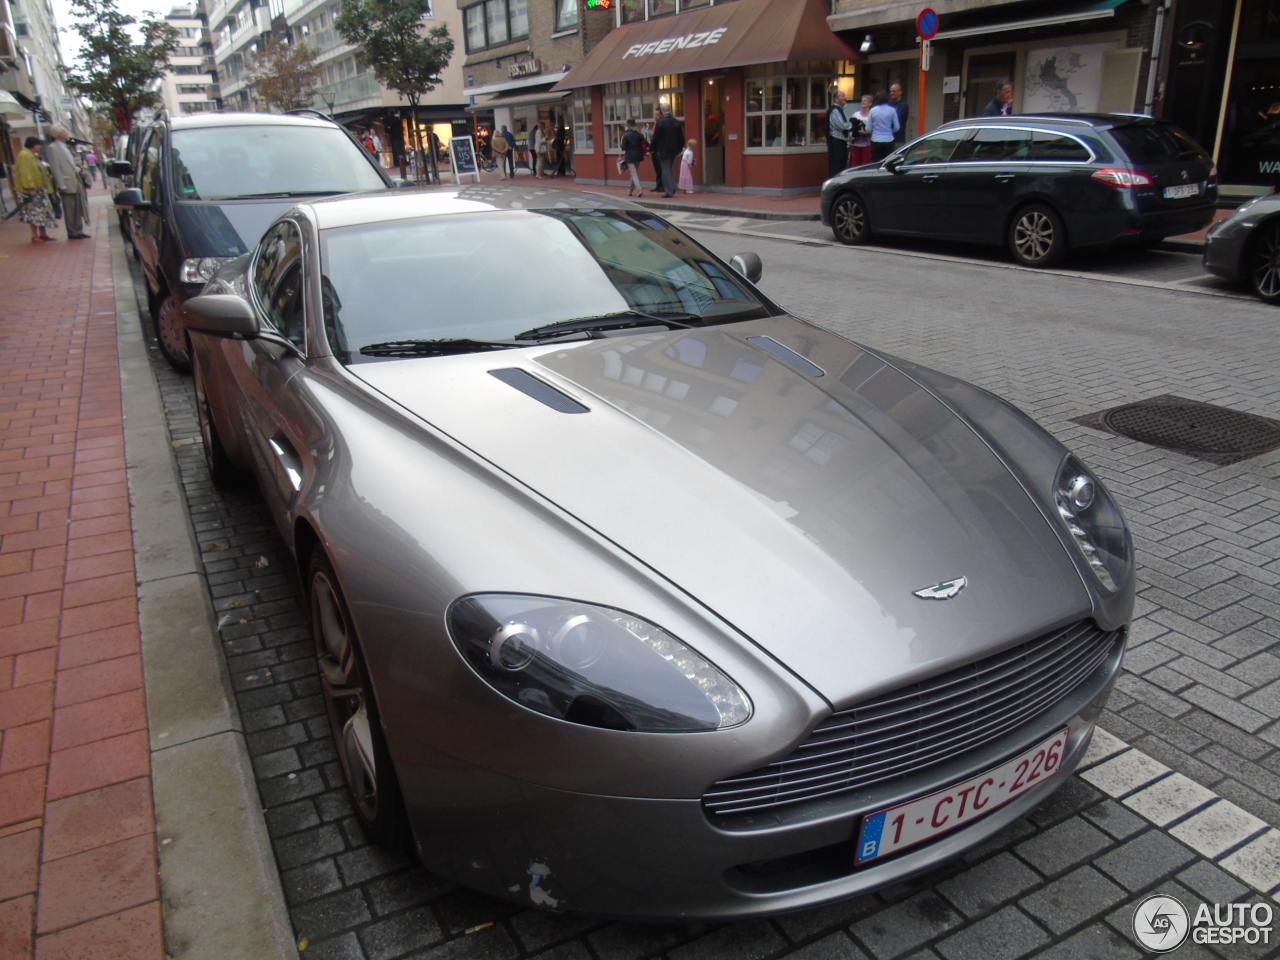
column 786, row 104
column 633, row 10
column 567, row 15
column 495, row 22
column 637, row 100
column 583, row 141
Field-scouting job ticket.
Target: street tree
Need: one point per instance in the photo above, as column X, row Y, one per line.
column 286, row 74
column 395, row 44
column 114, row 71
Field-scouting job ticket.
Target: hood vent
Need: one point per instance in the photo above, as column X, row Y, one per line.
column 540, row 390
column 787, row 356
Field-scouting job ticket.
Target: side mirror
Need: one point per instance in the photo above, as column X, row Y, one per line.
column 131, row 198
column 221, row 315
column 749, row 265
column 894, row 163
column 119, row 168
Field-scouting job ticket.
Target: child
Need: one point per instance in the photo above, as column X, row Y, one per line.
column 687, row 160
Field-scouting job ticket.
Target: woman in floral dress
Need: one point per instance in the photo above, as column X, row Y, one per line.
column 33, row 185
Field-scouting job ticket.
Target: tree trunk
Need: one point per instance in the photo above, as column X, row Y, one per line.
column 417, row 139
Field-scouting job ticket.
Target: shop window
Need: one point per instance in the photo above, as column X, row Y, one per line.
column 786, row 105
column 583, row 140
column 633, row 10
column 495, row 22
column 567, row 15
column 638, row 100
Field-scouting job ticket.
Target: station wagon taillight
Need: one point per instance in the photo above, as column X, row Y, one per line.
column 1115, row 177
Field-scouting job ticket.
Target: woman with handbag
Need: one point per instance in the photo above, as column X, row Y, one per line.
column 34, row 185
column 633, row 149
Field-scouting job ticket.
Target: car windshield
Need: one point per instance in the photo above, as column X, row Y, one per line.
column 224, row 163
column 490, row 277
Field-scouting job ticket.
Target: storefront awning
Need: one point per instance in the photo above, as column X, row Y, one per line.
column 520, row 98
column 9, row 107
column 735, row 34
column 1045, row 17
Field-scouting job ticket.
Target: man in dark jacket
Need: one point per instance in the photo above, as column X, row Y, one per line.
column 667, row 143
column 899, row 103
column 1001, row 104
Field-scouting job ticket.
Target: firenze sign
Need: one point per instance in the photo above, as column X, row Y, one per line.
column 704, row 39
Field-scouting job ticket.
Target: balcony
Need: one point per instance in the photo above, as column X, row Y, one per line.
column 213, row 92
column 346, row 93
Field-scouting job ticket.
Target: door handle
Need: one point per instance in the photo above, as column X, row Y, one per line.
column 929, row 177
column 1005, row 176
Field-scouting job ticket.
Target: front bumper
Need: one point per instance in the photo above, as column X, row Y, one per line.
column 670, row 859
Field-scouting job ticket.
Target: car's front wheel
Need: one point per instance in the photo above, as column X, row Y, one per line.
column 1037, row 237
column 222, row 471
column 353, row 711
column 849, row 220
column 1264, row 262
column 171, row 332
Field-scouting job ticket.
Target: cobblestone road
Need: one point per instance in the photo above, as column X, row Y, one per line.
column 1199, row 698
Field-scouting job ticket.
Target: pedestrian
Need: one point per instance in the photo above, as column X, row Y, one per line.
column 560, row 144
column 883, row 127
column 539, row 140
column 91, row 161
column 838, row 130
column 668, row 140
column 500, row 147
column 1001, row 104
column 510, row 137
column 860, row 145
column 899, row 103
column 33, row 184
column 688, row 160
column 633, row 146
column 657, row 167
column 66, row 180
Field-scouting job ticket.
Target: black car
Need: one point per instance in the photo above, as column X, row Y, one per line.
column 1246, row 246
column 207, row 186
column 1039, row 184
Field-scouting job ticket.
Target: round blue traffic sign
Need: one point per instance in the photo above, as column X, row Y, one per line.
column 927, row 23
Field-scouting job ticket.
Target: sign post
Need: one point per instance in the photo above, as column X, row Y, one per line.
column 927, row 27
column 462, row 158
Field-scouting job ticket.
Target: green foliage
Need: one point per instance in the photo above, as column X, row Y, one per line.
column 114, row 71
column 394, row 46
column 286, row 75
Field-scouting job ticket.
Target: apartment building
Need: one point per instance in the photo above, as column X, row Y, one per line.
column 188, row 85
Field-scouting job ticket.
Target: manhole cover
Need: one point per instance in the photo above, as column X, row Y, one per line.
column 1200, row 430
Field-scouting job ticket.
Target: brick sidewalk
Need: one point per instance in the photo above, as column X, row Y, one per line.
column 78, row 872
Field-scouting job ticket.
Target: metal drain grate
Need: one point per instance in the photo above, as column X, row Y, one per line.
column 1200, row 430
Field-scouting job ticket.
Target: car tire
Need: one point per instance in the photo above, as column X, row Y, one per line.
column 353, row 711
column 222, row 471
column 849, row 220
column 171, row 332
column 1263, row 262
column 1037, row 237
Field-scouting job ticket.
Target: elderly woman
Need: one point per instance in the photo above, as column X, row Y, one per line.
column 32, row 182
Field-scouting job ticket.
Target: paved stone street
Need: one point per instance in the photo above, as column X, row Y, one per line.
column 1190, row 810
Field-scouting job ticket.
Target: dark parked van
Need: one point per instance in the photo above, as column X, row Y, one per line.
column 207, row 186
column 1038, row 184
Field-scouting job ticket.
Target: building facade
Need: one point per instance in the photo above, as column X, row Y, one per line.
column 188, row 85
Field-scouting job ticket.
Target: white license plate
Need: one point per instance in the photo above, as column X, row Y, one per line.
column 924, row 818
column 1182, row 190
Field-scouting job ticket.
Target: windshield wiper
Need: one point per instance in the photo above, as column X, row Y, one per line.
column 429, row 348
column 284, row 194
column 610, row 321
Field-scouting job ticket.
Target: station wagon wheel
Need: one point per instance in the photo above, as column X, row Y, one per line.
column 222, row 471
column 1037, row 237
column 1264, row 262
column 849, row 220
column 171, row 332
column 353, row 712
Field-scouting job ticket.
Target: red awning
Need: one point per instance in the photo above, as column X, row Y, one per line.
column 734, row 34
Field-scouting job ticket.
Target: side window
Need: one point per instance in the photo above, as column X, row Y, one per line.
column 278, row 281
column 993, row 144
column 1055, row 146
column 149, row 174
column 937, row 148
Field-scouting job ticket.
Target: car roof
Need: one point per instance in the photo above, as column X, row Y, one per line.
column 1064, row 121
column 247, row 120
column 409, row 204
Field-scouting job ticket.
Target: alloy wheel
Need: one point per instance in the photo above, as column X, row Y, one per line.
column 1037, row 238
column 1264, row 263
column 849, row 220
column 171, row 333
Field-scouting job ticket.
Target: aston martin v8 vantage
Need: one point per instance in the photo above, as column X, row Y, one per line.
column 632, row 593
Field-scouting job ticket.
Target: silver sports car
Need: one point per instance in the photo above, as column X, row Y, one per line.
column 632, row 593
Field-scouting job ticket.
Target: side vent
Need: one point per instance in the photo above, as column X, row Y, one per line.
column 787, row 356
column 540, row 390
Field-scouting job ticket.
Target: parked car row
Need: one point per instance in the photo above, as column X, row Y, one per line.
column 1044, row 185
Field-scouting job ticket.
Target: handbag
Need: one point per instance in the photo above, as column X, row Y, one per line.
column 55, row 201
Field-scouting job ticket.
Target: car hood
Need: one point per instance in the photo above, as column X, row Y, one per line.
column 805, row 511
column 225, row 229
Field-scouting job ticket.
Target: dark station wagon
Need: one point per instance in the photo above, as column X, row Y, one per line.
column 1041, row 185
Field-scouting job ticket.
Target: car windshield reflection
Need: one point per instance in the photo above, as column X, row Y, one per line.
column 508, row 275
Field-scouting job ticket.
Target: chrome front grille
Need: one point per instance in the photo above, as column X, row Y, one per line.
column 922, row 724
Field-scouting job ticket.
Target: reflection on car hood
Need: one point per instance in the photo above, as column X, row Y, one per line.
column 225, row 229
column 805, row 511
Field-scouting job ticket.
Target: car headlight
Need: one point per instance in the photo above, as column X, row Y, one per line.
column 1094, row 521
column 201, row 269
column 592, row 665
